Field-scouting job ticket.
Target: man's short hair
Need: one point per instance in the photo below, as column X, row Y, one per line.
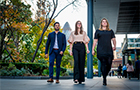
column 56, row 23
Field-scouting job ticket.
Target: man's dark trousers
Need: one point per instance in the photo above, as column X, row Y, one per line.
column 54, row 55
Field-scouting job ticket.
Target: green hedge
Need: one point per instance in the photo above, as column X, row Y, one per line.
column 38, row 68
column 35, row 67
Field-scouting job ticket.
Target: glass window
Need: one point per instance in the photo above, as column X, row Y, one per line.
column 138, row 40
column 130, row 40
column 130, row 45
column 137, row 45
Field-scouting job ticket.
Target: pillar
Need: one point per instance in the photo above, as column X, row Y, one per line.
column 90, row 34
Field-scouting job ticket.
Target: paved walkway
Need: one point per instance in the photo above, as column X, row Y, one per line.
column 67, row 84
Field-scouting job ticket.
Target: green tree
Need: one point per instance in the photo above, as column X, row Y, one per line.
column 14, row 16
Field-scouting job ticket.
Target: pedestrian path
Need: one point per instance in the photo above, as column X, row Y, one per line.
column 67, row 84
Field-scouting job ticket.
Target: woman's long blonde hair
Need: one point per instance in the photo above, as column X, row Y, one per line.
column 76, row 28
column 107, row 27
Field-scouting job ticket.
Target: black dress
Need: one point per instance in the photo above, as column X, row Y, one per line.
column 104, row 51
column 104, row 47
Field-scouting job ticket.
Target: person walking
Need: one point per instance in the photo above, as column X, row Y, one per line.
column 112, row 72
column 119, row 71
column 130, row 69
column 57, row 43
column 103, row 36
column 78, row 40
column 124, row 71
column 137, row 67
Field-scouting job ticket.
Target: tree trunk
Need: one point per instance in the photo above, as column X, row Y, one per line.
column 39, row 41
column 3, row 34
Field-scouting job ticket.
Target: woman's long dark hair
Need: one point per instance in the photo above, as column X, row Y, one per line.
column 129, row 62
column 76, row 28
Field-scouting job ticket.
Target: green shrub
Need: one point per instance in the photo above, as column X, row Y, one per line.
column 11, row 67
column 65, row 74
column 19, row 73
column 42, row 61
column 16, row 72
column 45, row 72
column 26, row 69
column 4, row 67
column 35, row 67
column 4, row 73
column 63, row 69
column 36, row 74
column 23, row 70
column 11, row 70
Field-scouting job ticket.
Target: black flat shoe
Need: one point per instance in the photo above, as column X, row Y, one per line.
column 80, row 82
column 104, row 84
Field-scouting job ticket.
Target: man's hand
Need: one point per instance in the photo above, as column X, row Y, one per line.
column 61, row 52
column 88, row 51
column 46, row 55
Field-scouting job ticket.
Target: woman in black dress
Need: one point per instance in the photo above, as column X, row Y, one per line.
column 103, row 36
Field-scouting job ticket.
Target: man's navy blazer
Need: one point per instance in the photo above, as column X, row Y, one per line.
column 61, row 39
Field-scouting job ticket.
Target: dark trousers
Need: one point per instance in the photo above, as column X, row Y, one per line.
column 105, row 67
column 79, row 61
column 130, row 74
column 125, row 73
column 54, row 55
column 137, row 73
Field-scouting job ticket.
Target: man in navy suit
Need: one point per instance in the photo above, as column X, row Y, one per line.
column 57, row 42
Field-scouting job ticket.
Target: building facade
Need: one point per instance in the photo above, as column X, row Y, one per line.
column 130, row 49
column 67, row 31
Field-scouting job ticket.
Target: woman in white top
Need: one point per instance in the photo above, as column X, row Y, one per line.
column 78, row 40
column 130, row 69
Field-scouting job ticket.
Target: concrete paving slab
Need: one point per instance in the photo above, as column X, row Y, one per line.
column 67, row 84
